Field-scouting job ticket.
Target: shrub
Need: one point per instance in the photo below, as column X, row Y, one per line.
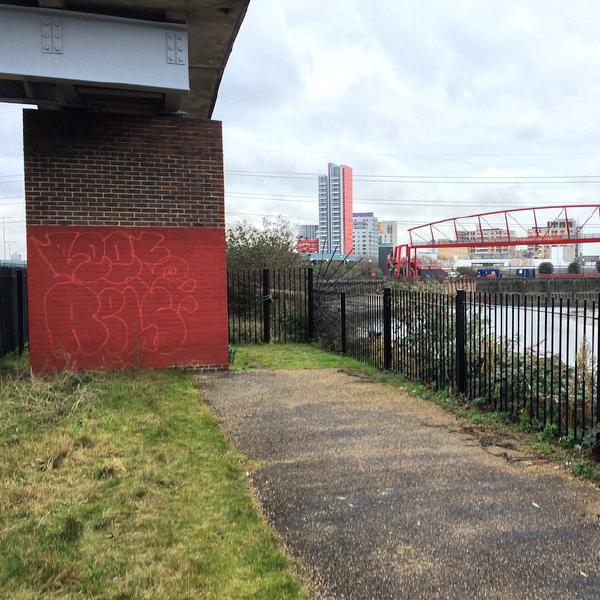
column 574, row 267
column 469, row 272
column 546, row 268
column 598, row 266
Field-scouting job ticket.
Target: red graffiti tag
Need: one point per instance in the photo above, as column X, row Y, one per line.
column 114, row 297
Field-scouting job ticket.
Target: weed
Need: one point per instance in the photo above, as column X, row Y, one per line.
column 71, row 531
column 567, row 440
column 232, row 353
column 582, row 468
column 110, row 468
column 548, row 434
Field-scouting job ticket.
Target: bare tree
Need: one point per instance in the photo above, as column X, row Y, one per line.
column 272, row 245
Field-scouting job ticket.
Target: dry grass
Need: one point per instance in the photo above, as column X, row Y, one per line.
column 123, row 486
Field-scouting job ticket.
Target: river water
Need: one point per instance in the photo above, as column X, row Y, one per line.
column 558, row 331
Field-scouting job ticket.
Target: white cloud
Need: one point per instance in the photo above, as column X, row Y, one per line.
column 430, row 78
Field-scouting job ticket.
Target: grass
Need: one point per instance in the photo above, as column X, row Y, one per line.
column 123, row 486
column 544, row 443
column 288, row 356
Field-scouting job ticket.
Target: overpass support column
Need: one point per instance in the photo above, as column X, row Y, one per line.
column 125, row 241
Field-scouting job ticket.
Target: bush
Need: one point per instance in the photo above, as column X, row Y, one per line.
column 546, row 268
column 598, row 266
column 574, row 267
column 469, row 272
column 272, row 245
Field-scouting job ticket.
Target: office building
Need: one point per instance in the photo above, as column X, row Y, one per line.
column 307, row 246
column 387, row 232
column 561, row 228
column 481, row 236
column 335, row 210
column 308, row 232
column 365, row 235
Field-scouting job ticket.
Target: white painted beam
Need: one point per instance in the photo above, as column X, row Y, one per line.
column 81, row 49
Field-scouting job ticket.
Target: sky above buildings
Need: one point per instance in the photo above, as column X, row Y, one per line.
column 420, row 98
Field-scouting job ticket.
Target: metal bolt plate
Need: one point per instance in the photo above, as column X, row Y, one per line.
column 52, row 36
column 175, row 48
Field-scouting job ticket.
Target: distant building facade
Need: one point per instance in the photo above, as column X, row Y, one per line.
column 450, row 256
column 385, row 252
column 366, row 241
column 309, row 232
column 335, row 210
column 490, row 234
column 387, row 232
column 307, row 245
column 559, row 228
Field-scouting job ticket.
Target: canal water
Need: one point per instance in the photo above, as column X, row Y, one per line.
column 557, row 330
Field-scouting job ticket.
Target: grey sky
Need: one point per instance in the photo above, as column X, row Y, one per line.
column 372, row 83
column 398, row 88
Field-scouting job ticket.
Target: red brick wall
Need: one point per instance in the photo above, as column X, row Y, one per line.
column 102, row 169
column 126, row 244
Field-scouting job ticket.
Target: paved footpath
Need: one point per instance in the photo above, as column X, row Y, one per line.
column 383, row 495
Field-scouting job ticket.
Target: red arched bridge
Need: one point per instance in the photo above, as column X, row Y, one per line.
column 532, row 227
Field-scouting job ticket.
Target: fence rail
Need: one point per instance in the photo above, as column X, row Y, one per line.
column 533, row 359
column 13, row 310
column 269, row 305
column 536, row 357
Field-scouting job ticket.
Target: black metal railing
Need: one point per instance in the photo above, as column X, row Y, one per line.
column 267, row 305
column 13, row 310
column 534, row 358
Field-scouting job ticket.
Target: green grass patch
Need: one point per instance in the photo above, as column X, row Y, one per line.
column 288, row 356
column 544, row 442
column 122, row 485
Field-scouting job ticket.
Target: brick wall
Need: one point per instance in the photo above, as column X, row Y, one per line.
column 103, row 169
column 125, row 240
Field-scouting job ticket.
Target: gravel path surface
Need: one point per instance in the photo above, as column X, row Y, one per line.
column 384, row 495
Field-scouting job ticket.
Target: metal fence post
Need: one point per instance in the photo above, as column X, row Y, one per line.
column 387, row 329
column 461, row 339
column 21, row 313
column 310, row 293
column 343, row 321
column 266, row 299
column 14, row 309
column 25, row 307
column 4, row 342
